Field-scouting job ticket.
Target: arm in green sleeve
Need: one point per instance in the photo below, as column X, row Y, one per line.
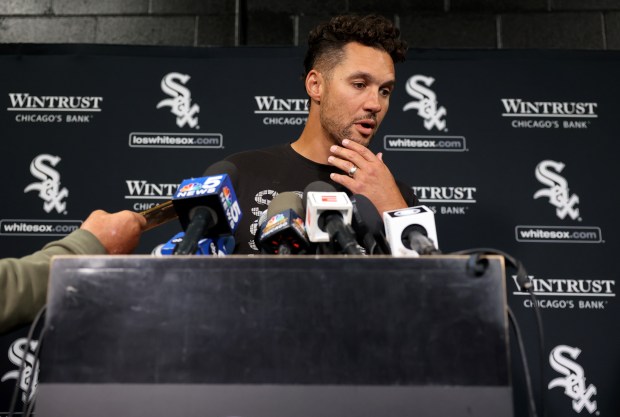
column 23, row 282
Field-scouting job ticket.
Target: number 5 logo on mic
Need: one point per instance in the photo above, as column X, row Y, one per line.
column 233, row 211
column 215, row 191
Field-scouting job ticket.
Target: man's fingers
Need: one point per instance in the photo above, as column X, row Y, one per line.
column 359, row 149
column 343, row 164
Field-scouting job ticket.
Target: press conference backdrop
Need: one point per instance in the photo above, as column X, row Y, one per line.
column 514, row 150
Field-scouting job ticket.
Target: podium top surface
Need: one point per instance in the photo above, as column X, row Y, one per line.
column 275, row 320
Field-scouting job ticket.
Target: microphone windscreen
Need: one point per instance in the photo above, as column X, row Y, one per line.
column 164, row 212
column 262, row 219
column 223, row 167
column 317, row 186
column 285, row 201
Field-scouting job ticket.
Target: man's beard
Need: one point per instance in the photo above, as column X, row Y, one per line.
column 338, row 132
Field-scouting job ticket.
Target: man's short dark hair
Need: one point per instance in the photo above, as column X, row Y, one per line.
column 327, row 40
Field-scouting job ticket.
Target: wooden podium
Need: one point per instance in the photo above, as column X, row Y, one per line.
column 270, row 336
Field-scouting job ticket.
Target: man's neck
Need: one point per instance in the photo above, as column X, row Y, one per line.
column 313, row 143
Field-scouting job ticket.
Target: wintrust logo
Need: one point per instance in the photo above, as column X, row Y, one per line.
column 549, row 114
column 568, row 293
column 562, row 359
column 446, row 200
column 141, row 190
column 547, row 172
column 426, row 102
column 282, row 111
column 519, row 107
column 53, row 109
column 20, row 352
column 27, row 102
column 53, row 196
column 180, row 101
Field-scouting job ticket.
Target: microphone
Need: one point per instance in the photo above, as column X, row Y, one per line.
column 282, row 232
column 207, row 206
column 328, row 217
column 223, row 245
column 368, row 226
column 165, row 212
column 411, row 231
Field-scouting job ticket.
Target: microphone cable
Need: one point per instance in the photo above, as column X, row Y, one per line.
column 22, row 367
column 524, row 285
column 35, row 363
column 528, row 380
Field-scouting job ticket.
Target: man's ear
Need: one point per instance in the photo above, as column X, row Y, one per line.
column 314, row 85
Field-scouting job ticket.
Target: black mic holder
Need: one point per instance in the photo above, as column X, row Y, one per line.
column 342, row 234
column 416, row 238
column 202, row 218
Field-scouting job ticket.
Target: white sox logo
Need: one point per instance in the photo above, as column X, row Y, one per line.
column 574, row 381
column 181, row 102
column 49, row 187
column 427, row 102
column 19, row 352
column 557, row 193
column 262, row 198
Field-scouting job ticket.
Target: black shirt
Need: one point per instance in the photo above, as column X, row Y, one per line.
column 264, row 173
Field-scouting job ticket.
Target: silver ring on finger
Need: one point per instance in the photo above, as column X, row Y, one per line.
column 351, row 172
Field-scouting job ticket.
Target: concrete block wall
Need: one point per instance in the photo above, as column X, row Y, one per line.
column 487, row 24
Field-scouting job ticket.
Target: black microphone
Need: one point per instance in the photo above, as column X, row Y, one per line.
column 368, row 226
column 282, row 232
column 328, row 217
column 415, row 237
column 207, row 206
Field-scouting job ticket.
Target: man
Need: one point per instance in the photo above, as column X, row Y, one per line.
column 349, row 79
column 23, row 282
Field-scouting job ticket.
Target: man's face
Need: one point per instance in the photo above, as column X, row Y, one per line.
column 356, row 94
